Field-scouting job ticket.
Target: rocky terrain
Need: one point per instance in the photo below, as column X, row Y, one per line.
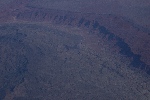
column 51, row 54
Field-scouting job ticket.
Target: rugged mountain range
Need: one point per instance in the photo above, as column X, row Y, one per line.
column 51, row 54
column 113, row 28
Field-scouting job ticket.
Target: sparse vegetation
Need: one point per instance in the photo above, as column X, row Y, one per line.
column 51, row 54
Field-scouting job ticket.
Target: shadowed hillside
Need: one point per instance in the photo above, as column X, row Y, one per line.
column 52, row 54
column 99, row 23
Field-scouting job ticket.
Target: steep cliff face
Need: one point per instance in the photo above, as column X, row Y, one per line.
column 56, row 54
column 38, row 62
column 134, row 42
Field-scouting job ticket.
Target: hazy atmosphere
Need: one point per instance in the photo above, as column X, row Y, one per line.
column 74, row 50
